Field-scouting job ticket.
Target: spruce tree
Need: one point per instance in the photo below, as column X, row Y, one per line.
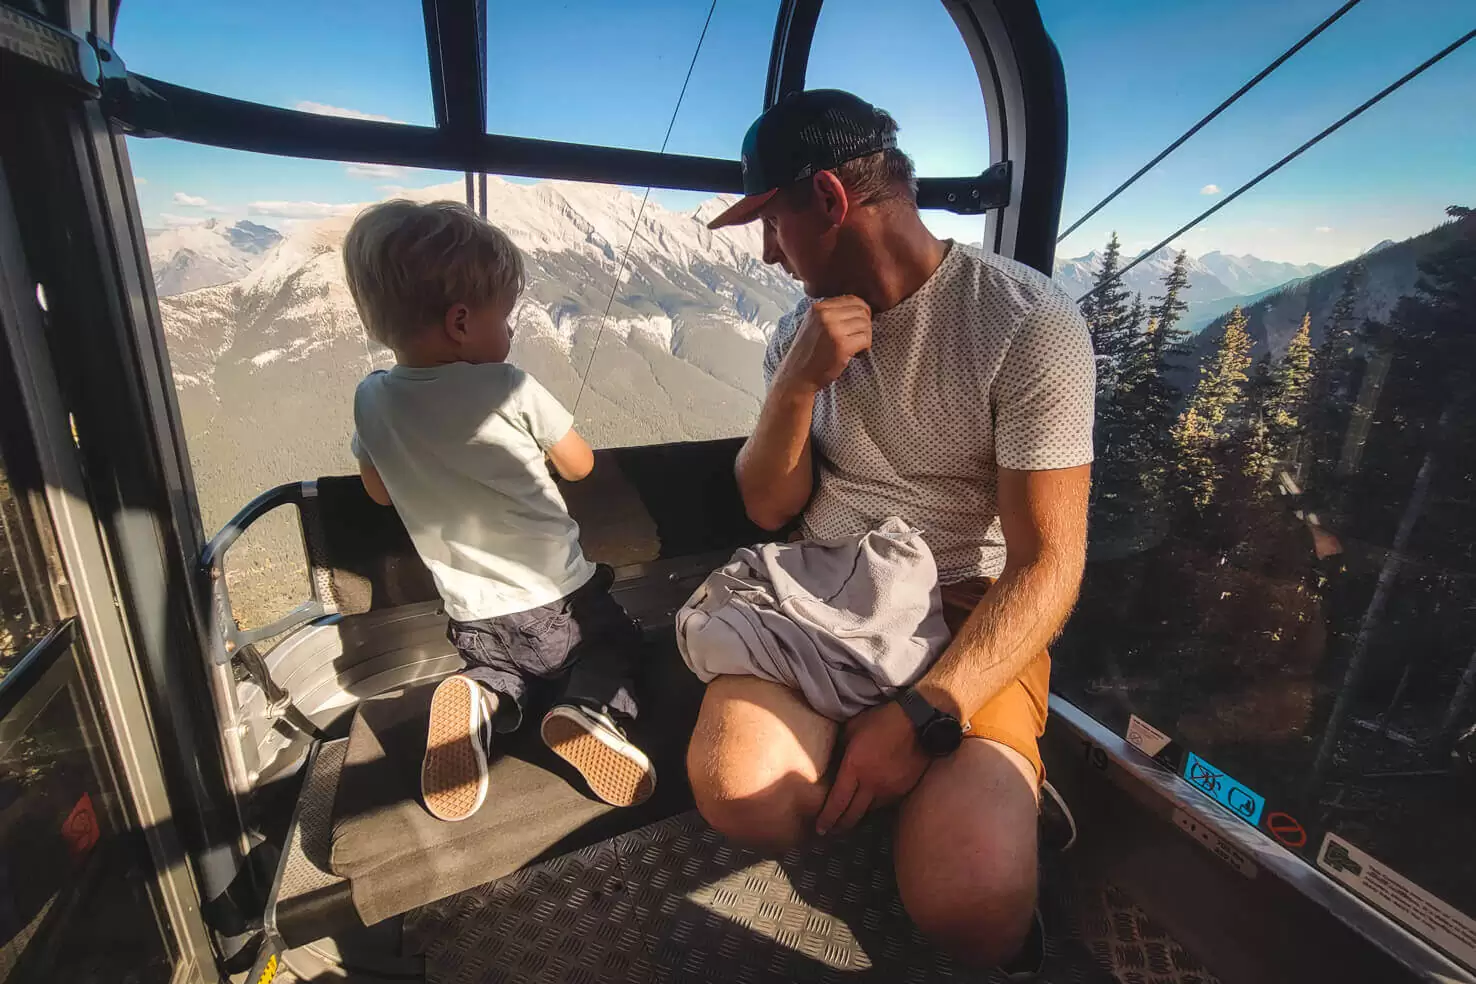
column 1207, row 423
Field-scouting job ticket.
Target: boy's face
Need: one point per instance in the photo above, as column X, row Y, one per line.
column 481, row 334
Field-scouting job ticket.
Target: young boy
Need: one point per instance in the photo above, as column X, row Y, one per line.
column 456, row 439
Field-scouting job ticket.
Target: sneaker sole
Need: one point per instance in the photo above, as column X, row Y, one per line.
column 617, row 771
column 453, row 774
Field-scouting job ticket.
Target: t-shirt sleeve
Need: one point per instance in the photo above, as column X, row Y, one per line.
column 1045, row 393
column 356, row 446
column 542, row 413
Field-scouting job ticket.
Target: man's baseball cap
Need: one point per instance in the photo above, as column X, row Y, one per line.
column 804, row 133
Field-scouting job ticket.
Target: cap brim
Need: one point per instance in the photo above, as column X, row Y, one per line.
column 745, row 209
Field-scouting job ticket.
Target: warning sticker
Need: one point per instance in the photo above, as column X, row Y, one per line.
column 1218, row 846
column 1238, row 797
column 1145, row 737
column 1400, row 898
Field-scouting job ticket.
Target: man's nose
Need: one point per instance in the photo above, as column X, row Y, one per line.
column 772, row 253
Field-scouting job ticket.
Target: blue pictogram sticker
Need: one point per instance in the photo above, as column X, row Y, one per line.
column 1234, row 796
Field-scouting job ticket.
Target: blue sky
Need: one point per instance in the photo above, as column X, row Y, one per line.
column 1138, row 73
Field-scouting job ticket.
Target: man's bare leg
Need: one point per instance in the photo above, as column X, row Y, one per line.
column 965, row 852
column 757, row 762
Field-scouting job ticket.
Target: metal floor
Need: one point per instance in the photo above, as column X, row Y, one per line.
column 675, row 902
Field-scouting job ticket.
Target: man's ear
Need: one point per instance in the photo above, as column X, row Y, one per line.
column 831, row 196
column 455, row 323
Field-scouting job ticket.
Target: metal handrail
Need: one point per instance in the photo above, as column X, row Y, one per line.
column 225, row 635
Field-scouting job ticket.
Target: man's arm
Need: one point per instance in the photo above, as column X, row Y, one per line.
column 1044, row 518
column 775, row 466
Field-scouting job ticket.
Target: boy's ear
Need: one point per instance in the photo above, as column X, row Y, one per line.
column 455, row 322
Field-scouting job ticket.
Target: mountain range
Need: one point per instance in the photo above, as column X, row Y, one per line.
column 188, row 257
column 1217, row 281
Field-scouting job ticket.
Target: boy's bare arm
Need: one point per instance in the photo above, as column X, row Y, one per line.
column 572, row 457
column 373, row 484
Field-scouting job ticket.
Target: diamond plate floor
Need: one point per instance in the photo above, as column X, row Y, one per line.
column 675, row 902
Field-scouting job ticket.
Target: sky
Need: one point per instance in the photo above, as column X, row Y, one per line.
column 1139, row 72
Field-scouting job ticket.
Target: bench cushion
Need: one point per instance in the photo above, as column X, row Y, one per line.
column 397, row 856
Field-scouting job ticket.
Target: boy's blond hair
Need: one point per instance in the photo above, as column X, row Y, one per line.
column 408, row 262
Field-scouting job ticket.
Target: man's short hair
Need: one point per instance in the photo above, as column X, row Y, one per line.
column 408, row 262
column 888, row 175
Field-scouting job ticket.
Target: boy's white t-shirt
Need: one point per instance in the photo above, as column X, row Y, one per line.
column 461, row 450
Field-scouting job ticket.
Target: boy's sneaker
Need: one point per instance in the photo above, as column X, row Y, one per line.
column 617, row 772
column 453, row 774
column 1057, row 830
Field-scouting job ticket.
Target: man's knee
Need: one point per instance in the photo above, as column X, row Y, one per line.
column 755, row 761
column 982, row 925
column 754, row 807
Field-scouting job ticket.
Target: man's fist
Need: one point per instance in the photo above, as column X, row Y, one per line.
column 833, row 331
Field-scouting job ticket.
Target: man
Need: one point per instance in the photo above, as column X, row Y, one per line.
column 927, row 380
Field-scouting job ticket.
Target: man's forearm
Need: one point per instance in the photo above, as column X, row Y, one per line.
column 1018, row 617
column 774, row 468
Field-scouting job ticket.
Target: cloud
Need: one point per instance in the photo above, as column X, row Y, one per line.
column 139, row 182
column 193, row 201
column 1323, row 229
column 375, row 172
column 171, row 221
column 299, row 210
column 1210, row 189
column 323, row 109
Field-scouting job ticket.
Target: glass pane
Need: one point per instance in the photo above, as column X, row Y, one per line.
column 265, row 359
column 34, row 594
column 74, row 904
column 266, row 570
column 918, row 69
column 364, row 60
column 1281, row 574
column 620, row 68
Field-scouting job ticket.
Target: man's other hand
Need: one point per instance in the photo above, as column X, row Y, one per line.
column 881, row 764
column 833, row 332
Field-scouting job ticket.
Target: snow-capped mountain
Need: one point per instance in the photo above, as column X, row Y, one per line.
column 1212, row 276
column 188, row 257
column 1251, row 274
column 1077, row 275
column 280, row 348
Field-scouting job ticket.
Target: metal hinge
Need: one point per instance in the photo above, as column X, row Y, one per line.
column 968, row 196
column 54, row 52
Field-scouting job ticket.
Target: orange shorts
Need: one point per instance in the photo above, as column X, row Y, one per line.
column 1017, row 717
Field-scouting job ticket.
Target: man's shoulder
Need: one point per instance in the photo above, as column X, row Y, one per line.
column 1010, row 279
column 783, row 334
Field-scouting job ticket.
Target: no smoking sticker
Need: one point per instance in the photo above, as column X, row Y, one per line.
column 1145, row 737
column 1286, row 829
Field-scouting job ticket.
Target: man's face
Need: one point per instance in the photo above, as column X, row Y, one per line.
column 801, row 239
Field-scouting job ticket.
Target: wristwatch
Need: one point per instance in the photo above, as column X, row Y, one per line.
column 938, row 732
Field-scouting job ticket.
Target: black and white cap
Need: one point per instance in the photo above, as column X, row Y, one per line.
column 804, row 133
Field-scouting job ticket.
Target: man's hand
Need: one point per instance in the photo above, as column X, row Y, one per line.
column 882, row 763
column 833, row 332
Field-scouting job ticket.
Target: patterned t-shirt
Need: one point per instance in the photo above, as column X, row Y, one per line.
column 988, row 365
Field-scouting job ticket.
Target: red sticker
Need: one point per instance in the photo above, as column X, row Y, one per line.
column 1285, row 828
column 79, row 830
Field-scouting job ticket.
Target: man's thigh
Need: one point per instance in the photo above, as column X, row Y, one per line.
column 758, row 761
column 966, row 853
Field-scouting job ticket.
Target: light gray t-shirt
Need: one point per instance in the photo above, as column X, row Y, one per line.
column 461, row 450
column 988, row 365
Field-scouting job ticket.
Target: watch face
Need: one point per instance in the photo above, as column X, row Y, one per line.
column 942, row 736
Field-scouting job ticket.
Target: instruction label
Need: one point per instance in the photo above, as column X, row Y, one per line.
column 1145, row 737
column 1230, row 793
column 1399, row 898
column 1217, row 845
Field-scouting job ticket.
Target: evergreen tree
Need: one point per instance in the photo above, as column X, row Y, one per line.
column 1207, row 423
column 1164, row 316
column 1289, row 385
column 1106, row 306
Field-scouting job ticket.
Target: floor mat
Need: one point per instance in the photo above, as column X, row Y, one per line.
column 675, row 901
